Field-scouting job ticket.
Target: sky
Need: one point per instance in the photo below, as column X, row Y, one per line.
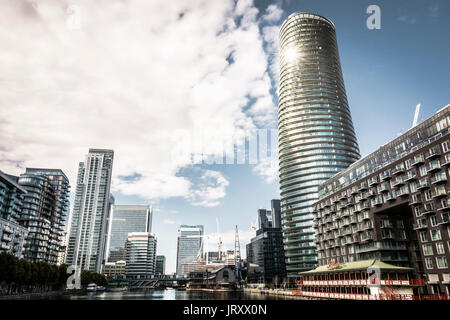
column 167, row 84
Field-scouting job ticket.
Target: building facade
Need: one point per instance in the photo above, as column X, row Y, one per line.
column 12, row 235
column 115, row 269
column 126, row 219
column 141, row 255
column 266, row 249
column 393, row 205
column 316, row 138
column 160, row 265
column 189, row 245
column 45, row 209
column 86, row 245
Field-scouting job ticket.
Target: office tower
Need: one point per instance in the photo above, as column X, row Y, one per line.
column 126, row 219
column 276, row 213
column 189, row 245
column 264, row 218
column 91, row 209
column 315, row 131
column 393, row 205
column 266, row 249
column 141, row 255
column 160, row 265
column 12, row 234
column 45, row 208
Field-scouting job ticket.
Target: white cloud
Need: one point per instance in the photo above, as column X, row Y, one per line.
column 268, row 168
column 131, row 78
column 168, row 221
column 273, row 13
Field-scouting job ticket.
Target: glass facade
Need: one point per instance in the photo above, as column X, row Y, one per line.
column 189, row 245
column 315, row 131
column 126, row 219
column 88, row 229
column 141, row 255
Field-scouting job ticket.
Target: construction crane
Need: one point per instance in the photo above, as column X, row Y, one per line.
column 219, row 241
column 237, row 255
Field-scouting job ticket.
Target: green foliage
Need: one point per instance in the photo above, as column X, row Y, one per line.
column 92, row 277
column 22, row 272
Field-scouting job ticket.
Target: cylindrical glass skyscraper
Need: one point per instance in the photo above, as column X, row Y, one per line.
column 315, row 131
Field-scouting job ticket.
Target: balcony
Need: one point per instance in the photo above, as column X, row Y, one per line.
column 418, row 160
column 6, row 237
column 372, row 192
column 363, row 186
column 415, row 199
column 365, row 236
column 384, row 187
column 411, row 175
column 439, row 192
column 398, row 169
column 433, row 152
column 439, row 178
column 390, row 196
column 419, row 226
column 433, row 166
column 376, row 201
column 387, row 234
column 423, row 183
column 7, row 229
column 404, row 191
column 398, row 181
column 428, row 208
column 445, row 218
column 373, row 181
column 446, row 160
column 386, row 175
column 353, row 190
column 444, row 204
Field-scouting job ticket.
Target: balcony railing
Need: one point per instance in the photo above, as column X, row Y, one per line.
column 385, row 175
column 433, row 152
column 419, row 159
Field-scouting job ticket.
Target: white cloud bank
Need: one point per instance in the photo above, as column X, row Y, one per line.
column 135, row 77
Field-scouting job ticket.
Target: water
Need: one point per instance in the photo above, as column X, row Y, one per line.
column 167, row 294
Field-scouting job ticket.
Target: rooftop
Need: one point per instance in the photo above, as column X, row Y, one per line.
column 356, row 266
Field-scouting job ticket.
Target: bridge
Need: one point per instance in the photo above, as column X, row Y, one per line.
column 157, row 281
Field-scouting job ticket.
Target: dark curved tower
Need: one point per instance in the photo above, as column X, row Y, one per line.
column 316, row 137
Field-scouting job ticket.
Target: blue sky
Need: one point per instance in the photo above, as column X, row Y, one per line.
column 387, row 73
column 115, row 83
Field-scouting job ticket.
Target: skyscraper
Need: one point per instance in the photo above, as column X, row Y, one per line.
column 315, row 132
column 266, row 248
column 141, row 255
column 45, row 209
column 126, row 219
column 189, row 245
column 91, row 209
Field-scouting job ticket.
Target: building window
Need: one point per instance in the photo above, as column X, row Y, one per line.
column 435, row 234
column 441, row 262
column 402, row 234
column 423, row 170
column 428, row 195
column 434, row 221
column 423, row 236
column 440, row 248
column 446, row 146
column 429, row 263
column 427, row 249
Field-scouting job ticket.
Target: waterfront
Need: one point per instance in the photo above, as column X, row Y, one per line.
column 167, row 294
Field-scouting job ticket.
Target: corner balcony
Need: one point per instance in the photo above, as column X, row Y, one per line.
column 446, row 160
column 433, row 166
column 445, row 218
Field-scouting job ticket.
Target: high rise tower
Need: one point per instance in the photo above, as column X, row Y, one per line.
column 315, row 132
column 91, row 209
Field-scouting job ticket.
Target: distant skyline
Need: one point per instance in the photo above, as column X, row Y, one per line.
column 134, row 76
